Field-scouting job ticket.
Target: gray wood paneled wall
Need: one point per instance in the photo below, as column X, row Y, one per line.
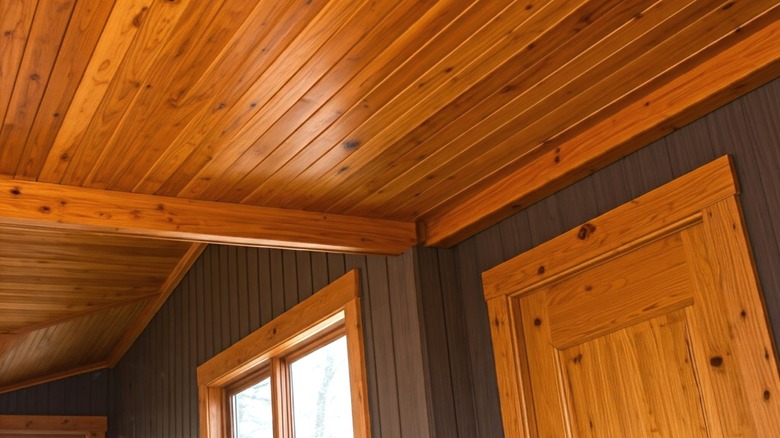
column 85, row 394
column 232, row 291
column 429, row 355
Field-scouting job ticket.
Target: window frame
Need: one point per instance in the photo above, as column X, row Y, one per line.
column 333, row 309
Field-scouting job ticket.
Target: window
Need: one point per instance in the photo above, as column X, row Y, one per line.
column 301, row 375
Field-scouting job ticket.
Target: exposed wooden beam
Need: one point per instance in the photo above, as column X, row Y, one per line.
column 30, row 424
column 735, row 70
column 199, row 221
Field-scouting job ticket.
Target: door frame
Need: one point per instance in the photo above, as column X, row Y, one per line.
column 682, row 203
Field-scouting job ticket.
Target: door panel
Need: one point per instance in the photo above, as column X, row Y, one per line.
column 639, row 285
column 662, row 333
column 617, row 386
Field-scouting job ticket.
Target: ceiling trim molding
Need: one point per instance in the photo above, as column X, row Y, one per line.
column 732, row 72
column 153, row 216
column 52, row 377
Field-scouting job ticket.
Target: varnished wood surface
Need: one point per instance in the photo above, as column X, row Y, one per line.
column 67, row 299
column 382, row 109
column 198, row 221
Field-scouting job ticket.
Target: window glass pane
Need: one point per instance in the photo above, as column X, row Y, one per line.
column 252, row 412
column 320, row 393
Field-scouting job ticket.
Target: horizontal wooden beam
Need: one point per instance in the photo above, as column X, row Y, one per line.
column 728, row 73
column 198, row 221
column 29, row 424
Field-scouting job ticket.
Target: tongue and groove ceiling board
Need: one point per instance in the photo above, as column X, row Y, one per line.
column 327, row 125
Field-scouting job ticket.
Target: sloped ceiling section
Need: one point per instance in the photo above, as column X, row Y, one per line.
column 354, row 126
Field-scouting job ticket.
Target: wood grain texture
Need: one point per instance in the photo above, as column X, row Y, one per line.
column 692, row 193
column 627, row 130
column 600, row 374
column 405, row 111
column 204, row 221
column 656, row 277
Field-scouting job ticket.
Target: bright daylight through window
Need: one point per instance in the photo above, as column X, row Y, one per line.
column 300, row 375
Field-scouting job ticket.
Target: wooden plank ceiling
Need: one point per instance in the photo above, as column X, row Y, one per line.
column 328, row 125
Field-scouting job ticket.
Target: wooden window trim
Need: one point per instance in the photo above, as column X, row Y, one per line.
column 336, row 304
column 87, row 427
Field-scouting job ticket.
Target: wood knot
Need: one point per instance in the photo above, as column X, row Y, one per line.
column 352, row 144
column 716, row 361
column 585, row 231
column 537, row 322
column 16, row 191
column 540, row 271
column 45, row 209
column 577, row 358
column 767, row 395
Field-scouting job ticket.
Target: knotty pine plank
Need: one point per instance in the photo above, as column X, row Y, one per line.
column 489, row 121
column 115, row 40
column 489, row 102
column 441, row 38
column 181, row 85
column 366, row 37
column 249, row 147
column 658, row 64
column 16, row 18
column 156, row 26
column 84, row 30
column 681, row 99
column 178, row 60
column 452, row 74
column 192, row 149
column 44, row 41
column 288, row 56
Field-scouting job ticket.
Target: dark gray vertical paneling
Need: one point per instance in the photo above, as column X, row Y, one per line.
column 226, row 291
column 436, row 352
column 408, row 345
column 85, row 394
column 388, row 423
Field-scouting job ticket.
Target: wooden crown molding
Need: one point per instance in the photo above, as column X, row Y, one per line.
column 153, row 216
column 753, row 60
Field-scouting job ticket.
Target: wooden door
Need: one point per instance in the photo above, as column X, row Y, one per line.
column 646, row 321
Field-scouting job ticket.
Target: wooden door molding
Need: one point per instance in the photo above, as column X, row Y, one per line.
column 52, row 426
column 697, row 219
